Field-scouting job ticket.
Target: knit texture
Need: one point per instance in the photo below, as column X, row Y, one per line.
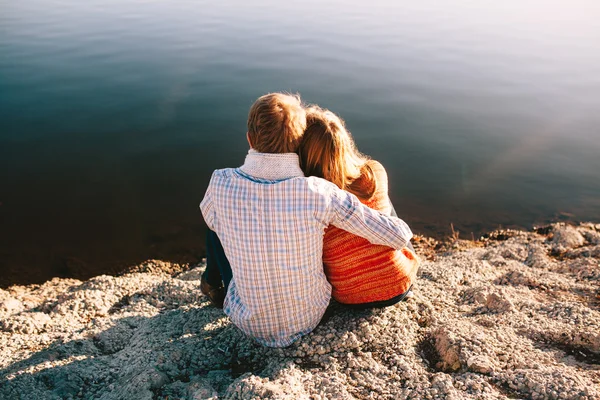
column 361, row 272
column 272, row 166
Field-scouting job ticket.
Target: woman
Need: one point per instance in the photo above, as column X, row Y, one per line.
column 361, row 274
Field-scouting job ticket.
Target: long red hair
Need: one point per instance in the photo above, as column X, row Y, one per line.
column 327, row 150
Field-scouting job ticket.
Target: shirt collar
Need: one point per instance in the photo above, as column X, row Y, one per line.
column 272, row 166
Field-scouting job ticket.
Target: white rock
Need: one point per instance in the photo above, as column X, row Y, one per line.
column 566, row 236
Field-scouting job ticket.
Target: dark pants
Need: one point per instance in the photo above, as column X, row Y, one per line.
column 218, row 269
column 380, row 304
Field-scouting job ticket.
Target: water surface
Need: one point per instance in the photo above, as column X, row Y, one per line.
column 113, row 114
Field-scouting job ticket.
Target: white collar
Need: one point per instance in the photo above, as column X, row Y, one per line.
column 272, row 166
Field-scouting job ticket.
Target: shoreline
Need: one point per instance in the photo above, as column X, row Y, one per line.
column 176, row 245
column 516, row 314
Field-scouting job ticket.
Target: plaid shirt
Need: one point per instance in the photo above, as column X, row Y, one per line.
column 271, row 220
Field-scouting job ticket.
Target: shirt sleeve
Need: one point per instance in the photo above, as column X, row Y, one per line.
column 207, row 207
column 350, row 214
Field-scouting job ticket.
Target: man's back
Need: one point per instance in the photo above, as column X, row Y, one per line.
column 272, row 233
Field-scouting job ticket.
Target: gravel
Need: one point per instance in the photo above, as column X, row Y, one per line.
column 512, row 316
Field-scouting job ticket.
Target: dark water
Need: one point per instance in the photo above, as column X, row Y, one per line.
column 114, row 113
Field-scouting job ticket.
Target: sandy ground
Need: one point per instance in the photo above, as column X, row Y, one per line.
column 514, row 316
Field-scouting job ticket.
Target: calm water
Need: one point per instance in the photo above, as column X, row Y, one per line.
column 114, row 113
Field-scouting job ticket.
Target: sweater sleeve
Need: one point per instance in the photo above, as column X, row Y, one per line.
column 380, row 177
column 380, row 200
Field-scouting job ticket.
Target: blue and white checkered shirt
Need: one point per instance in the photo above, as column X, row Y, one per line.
column 270, row 220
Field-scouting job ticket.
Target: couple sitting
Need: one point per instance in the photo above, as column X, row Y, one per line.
column 305, row 217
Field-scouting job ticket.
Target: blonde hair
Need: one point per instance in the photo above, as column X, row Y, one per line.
column 276, row 122
column 328, row 151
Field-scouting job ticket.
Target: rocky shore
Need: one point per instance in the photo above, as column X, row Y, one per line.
column 514, row 315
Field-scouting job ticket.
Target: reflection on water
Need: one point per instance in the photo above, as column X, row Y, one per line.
column 114, row 113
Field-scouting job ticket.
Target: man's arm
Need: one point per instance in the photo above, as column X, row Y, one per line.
column 350, row 214
column 207, row 208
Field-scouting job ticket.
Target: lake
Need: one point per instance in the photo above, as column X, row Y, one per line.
column 113, row 114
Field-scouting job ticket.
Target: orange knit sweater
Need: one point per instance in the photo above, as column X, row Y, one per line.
column 361, row 272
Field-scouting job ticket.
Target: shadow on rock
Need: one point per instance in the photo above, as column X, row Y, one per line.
column 133, row 359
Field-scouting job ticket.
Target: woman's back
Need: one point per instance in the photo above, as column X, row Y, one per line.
column 359, row 271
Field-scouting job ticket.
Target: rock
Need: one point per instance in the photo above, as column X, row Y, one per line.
column 480, row 364
column 566, row 237
column 114, row 339
column 480, row 295
column 11, row 305
column 447, row 350
column 499, row 302
column 591, row 236
column 537, row 257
